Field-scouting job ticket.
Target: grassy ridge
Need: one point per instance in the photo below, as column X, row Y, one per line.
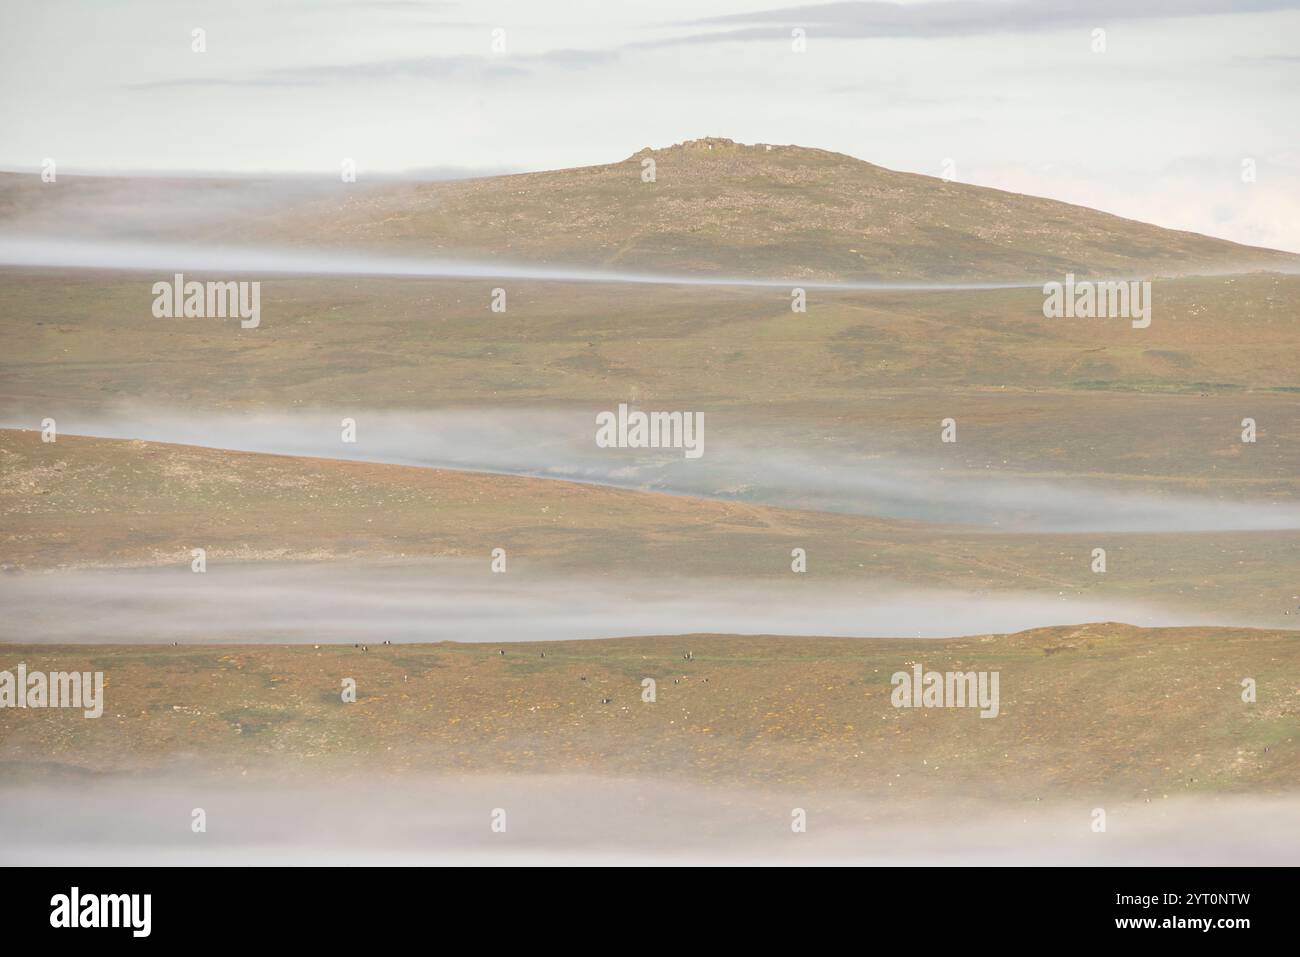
column 414, row 342
column 1104, row 710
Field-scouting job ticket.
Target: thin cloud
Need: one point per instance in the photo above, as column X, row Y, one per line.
column 845, row 20
column 954, row 18
column 475, row 68
column 199, row 82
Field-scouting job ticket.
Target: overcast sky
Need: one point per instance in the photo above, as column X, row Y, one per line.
column 1156, row 127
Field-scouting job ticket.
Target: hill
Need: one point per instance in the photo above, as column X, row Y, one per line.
column 780, row 212
column 714, row 207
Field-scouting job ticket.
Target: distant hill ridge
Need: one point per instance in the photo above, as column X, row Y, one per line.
column 720, row 207
column 714, row 207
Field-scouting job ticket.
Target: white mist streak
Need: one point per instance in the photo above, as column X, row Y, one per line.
column 228, row 260
column 368, row 603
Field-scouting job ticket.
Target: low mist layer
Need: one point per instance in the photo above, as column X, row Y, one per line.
column 463, row 601
column 36, row 251
column 586, row 820
column 796, row 472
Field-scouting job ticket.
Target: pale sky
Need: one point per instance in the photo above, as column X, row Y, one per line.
column 1156, row 127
